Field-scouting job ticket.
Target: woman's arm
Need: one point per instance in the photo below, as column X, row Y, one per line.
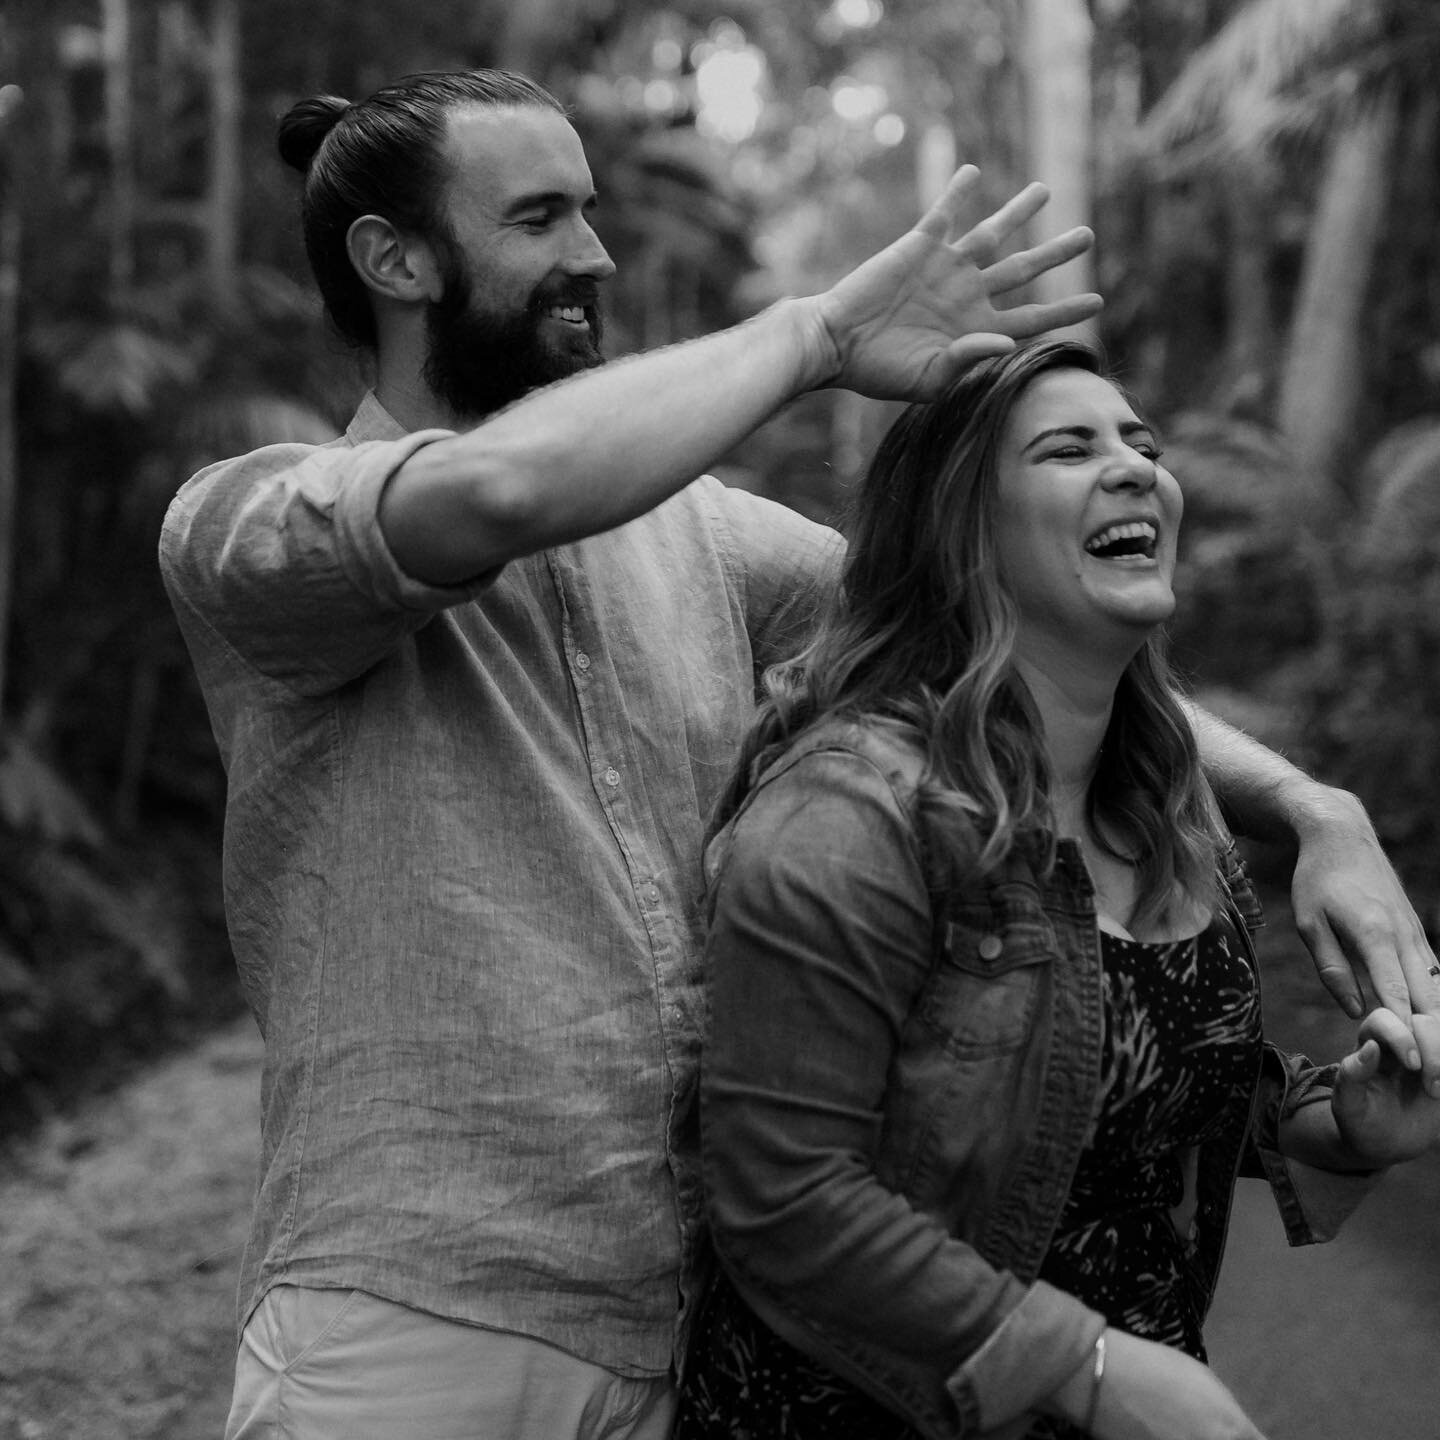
column 1142, row 1390
column 820, row 941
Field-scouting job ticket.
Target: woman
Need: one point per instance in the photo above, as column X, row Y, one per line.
column 985, row 1054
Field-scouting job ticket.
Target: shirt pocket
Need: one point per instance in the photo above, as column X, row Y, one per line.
column 992, row 967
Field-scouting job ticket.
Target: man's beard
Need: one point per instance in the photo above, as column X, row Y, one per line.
column 477, row 362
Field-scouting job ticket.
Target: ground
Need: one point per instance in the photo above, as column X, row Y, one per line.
column 119, row 1244
column 121, row 1226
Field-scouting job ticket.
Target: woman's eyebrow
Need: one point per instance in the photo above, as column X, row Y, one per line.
column 1080, row 432
column 1129, row 429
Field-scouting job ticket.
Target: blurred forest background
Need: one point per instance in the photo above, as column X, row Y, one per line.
column 1263, row 177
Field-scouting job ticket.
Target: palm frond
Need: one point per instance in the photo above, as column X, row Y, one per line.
column 35, row 799
column 1402, row 483
column 113, row 366
column 1272, row 53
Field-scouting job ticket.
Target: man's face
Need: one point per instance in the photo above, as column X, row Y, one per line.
column 521, row 266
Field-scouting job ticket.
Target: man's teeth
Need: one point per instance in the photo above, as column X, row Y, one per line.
column 575, row 314
column 1141, row 533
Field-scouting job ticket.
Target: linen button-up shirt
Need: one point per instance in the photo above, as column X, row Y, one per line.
column 461, row 878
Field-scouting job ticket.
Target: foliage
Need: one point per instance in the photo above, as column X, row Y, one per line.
column 1242, row 555
column 1321, row 633
column 1285, row 69
column 160, row 328
column 1372, row 694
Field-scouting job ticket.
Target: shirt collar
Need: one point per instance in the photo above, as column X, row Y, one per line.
column 372, row 421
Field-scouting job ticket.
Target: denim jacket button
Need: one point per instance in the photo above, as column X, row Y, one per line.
column 990, row 947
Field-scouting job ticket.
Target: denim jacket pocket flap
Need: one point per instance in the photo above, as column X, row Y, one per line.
column 986, row 984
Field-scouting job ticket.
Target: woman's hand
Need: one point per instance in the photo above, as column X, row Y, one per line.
column 1382, row 1110
column 1153, row 1392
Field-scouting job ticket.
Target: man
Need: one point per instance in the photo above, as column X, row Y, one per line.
column 476, row 681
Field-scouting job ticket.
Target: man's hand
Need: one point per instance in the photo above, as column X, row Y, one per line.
column 1350, row 907
column 909, row 319
column 1354, row 915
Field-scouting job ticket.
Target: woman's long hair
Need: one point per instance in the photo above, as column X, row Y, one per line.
column 921, row 634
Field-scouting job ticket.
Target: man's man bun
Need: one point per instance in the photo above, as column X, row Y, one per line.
column 304, row 127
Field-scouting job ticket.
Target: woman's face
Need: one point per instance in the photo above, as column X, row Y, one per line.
column 1086, row 519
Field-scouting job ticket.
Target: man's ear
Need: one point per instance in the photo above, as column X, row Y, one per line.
column 396, row 265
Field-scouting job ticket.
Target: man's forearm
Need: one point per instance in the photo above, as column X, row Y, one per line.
column 601, row 448
column 594, row 451
column 1266, row 797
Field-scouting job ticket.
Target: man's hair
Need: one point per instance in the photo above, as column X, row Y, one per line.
column 921, row 633
column 382, row 156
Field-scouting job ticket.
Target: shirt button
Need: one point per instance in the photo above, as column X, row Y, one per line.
column 612, row 776
column 990, row 947
column 582, row 660
column 653, row 893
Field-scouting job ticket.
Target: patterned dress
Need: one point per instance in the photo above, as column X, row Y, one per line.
column 1181, row 1045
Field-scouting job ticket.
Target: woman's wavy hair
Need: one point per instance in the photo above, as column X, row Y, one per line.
column 921, row 633
column 383, row 156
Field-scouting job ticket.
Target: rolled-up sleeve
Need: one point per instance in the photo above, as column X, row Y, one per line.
column 820, row 941
column 280, row 558
column 1313, row 1203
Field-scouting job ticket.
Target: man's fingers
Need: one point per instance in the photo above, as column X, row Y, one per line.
column 960, row 355
column 983, row 242
column 1023, row 321
column 942, row 220
column 1332, row 966
column 1426, row 1029
column 1385, row 1027
column 1023, row 266
column 1421, row 970
column 1369, row 944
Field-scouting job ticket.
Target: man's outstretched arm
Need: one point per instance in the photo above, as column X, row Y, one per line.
column 600, row 448
column 1349, row 905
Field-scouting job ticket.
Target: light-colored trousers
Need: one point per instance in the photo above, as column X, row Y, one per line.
column 345, row 1365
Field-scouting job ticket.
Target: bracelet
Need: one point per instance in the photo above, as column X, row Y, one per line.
column 1096, row 1376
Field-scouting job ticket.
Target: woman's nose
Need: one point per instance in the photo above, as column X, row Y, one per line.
column 1131, row 470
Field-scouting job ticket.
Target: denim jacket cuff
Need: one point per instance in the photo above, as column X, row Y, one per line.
column 1038, row 1346
column 1313, row 1203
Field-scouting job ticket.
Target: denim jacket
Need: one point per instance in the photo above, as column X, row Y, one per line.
column 899, row 1082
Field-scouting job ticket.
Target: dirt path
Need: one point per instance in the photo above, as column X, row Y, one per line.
column 120, row 1232
column 1338, row 1341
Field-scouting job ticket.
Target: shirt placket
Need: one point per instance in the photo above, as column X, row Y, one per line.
column 627, row 797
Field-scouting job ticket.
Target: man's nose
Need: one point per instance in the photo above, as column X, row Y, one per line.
column 590, row 258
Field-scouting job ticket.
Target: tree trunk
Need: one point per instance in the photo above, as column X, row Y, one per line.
column 1057, row 51
column 225, row 172
column 1323, row 376
column 1246, row 363
column 532, row 34
column 119, row 140
column 935, row 162
column 10, row 97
